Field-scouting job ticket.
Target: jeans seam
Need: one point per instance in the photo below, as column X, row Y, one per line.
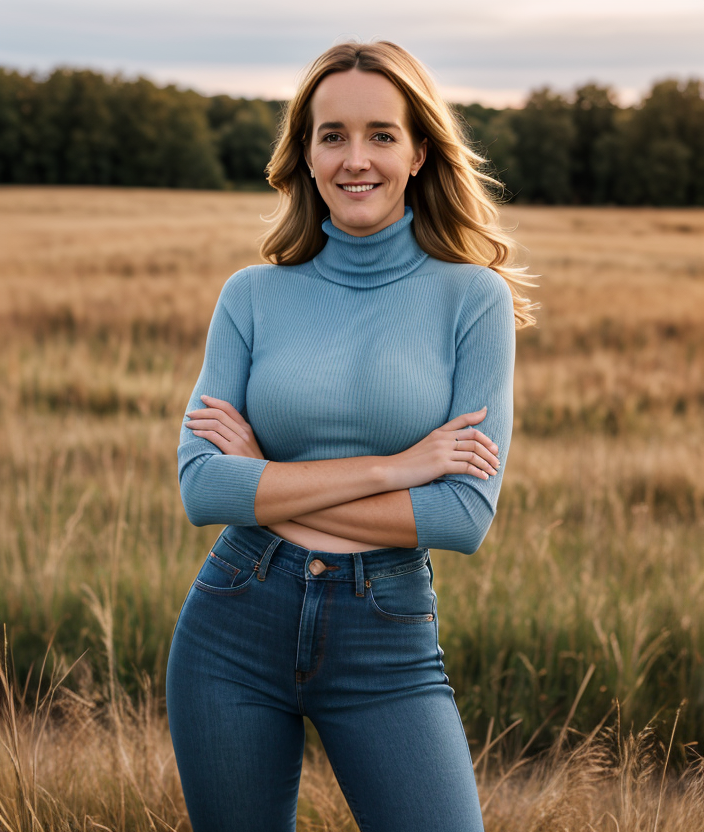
column 309, row 674
column 359, row 816
column 221, row 563
column 400, row 618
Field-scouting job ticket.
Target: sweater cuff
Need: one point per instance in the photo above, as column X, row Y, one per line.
column 450, row 515
column 221, row 489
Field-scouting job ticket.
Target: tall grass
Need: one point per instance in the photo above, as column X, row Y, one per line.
column 101, row 760
column 588, row 583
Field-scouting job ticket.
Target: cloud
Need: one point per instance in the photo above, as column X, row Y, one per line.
column 468, row 46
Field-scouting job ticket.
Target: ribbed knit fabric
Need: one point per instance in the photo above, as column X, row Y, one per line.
column 363, row 350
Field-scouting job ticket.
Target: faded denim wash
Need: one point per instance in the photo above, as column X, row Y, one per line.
column 270, row 632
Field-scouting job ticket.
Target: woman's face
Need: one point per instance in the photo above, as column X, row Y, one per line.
column 361, row 137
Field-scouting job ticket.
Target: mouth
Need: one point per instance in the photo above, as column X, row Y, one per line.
column 361, row 188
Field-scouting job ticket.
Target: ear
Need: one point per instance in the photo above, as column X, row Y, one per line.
column 420, row 155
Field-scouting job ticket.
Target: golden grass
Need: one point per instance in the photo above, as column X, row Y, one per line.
column 592, row 570
column 74, row 761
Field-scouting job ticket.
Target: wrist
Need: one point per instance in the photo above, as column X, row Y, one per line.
column 382, row 473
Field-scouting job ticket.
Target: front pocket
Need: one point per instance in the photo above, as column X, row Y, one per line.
column 225, row 572
column 407, row 597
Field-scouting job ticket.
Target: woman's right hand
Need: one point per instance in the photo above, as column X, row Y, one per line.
column 439, row 454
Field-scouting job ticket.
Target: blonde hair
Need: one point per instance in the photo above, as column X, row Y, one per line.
column 455, row 219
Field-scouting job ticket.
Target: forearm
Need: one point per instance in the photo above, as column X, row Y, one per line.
column 385, row 519
column 288, row 490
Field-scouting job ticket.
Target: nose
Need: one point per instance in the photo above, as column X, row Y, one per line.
column 356, row 158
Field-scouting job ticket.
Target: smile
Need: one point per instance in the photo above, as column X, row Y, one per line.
column 355, row 189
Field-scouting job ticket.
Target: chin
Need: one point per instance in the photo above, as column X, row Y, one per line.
column 360, row 219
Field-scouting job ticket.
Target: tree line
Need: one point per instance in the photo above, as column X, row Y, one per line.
column 79, row 127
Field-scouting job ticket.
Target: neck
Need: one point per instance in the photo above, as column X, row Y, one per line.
column 367, row 262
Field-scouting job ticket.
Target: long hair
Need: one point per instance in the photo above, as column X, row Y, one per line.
column 455, row 217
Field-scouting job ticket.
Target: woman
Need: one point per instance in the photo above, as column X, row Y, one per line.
column 331, row 429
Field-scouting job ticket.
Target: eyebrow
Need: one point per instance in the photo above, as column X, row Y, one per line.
column 338, row 125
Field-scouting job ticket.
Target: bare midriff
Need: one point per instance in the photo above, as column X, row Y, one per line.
column 315, row 539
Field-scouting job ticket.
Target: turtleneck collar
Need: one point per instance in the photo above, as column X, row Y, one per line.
column 367, row 262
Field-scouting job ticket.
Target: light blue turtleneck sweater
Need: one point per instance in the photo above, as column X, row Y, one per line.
column 363, row 350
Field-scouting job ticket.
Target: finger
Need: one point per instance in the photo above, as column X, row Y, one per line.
column 475, row 459
column 212, row 424
column 230, row 409
column 473, row 433
column 476, row 472
column 240, row 430
column 478, row 448
column 209, row 413
column 479, row 462
column 464, row 419
column 214, row 437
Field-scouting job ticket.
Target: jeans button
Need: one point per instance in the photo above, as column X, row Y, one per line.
column 317, row 566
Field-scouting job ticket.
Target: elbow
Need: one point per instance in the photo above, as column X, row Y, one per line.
column 452, row 516
column 474, row 530
column 466, row 536
column 473, row 541
column 197, row 519
column 194, row 511
column 475, row 517
column 217, row 489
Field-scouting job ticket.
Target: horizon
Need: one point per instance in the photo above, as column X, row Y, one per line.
column 455, row 95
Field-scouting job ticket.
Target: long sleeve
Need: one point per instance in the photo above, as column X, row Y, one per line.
column 455, row 511
column 217, row 488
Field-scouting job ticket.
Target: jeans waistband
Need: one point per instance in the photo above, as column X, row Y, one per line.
column 263, row 547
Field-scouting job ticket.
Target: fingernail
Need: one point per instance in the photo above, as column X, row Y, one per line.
column 494, row 449
column 205, row 397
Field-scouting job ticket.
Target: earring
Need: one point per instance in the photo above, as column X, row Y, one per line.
column 312, row 173
column 414, row 172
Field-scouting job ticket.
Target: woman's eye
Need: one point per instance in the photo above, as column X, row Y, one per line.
column 386, row 137
column 331, row 136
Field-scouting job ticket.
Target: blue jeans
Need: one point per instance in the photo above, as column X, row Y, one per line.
column 270, row 632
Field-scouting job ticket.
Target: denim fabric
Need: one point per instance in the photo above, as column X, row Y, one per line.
column 270, row 632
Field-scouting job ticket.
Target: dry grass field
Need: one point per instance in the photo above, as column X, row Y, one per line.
column 574, row 638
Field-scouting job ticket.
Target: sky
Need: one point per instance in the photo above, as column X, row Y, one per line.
column 493, row 53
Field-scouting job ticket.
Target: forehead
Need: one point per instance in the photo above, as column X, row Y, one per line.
column 353, row 94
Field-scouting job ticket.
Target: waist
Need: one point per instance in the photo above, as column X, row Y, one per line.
column 255, row 541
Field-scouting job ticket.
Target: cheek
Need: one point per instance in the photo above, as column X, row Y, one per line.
column 324, row 167
column 399, row 167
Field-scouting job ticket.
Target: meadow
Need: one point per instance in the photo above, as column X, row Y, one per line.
column 574, row 638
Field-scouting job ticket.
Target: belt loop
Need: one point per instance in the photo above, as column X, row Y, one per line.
column 358, row 574
column 261, row 567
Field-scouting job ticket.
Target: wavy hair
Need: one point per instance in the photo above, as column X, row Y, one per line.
column 455, row 216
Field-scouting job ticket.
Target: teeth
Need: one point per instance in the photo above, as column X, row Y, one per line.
column 355, row 189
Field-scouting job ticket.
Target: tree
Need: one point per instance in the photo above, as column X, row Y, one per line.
column 81, row 127
column 15, row 104
column 668, row 129
column 74, row 123
column 244, row 132
column 541, row 170
column 593, row 116
column 162, row 138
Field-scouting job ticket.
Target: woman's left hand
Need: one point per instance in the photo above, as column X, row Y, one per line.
column 221, row 424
